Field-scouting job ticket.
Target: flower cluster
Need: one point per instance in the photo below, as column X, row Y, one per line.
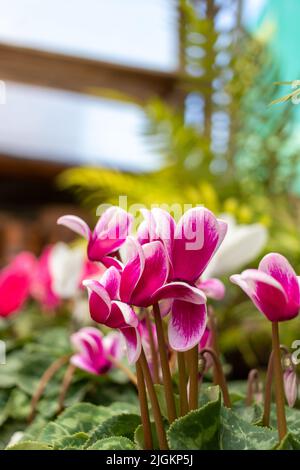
column 161, row 265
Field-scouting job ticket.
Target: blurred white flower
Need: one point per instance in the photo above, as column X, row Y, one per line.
column 80, row 312
column 15, row 438
column 242, row 244
column 66, row 267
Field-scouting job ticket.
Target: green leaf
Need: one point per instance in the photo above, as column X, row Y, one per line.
column 120, row 425
column 33, row 431
column 252, row 414
column 9, row 371
column 292, row 420
column 119, row 408
column 139, row 437
column 289, row 443
column 52, row 432
column 18, row 405
column 76, row 441
column 199, row 429
column 82, row 417
column 237, row 434
column 30, row 445
column 113, row 443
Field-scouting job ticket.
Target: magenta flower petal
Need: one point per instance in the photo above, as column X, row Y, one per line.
column 121, row 316
column 187, row 325
column 114, row 224
column 280, row 269
column 132, row 270
column 14, row 290
column 213, row 288
column 91, row 355
column 180, row 291
column 84, row 364
column 266, row 293
column 198, row 235
column 154, row 274
column 110, row 233
column 158, row 224
column 133, row 343
column 99, row 301
column 76, row 224
column 111, row 282
column 109, row 261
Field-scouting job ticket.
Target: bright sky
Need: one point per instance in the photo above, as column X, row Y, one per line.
column 74, row 127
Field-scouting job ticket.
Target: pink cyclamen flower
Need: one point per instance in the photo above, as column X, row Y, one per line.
column 107, row 309
column 41, row 285
column 108, row 235
column 290, row 383
column 190, row 245
column 15, row 281
column 273, row 287
column 94, row 351
column 142, row 283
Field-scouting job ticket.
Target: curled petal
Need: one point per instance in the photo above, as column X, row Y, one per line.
column 180, row 291
column 133, row 269
column 111, row 282
column 108, row 262
column 133, row 343
column 280, row 269
column 110, row 233
column 290, row 386
column 266, row 293
column 121, row 316
column 198, row 235
column 154, row 274
column 76, row 224
column 84, row 364
column 187, row 325
column 213, row 288
column 99, row 301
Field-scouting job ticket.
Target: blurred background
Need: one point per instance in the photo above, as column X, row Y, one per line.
column 162, row 101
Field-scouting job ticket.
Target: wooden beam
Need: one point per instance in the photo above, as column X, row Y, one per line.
column 65, row 72
column 22, row 168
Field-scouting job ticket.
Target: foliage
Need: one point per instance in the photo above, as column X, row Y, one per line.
column 212, row 426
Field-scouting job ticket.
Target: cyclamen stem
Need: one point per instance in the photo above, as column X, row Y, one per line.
column 184, row 408
column 67, row 380
column 148, row 440
column 46, row 377
column 268, row 392
column 154, row 352
column 268, row 387
column 167, row 379
column 214, row 339
column 192, row 356
column 279, row 388
column 221, row 381
column 161, row 435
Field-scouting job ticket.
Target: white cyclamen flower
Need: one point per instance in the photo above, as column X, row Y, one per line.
column 241, row 245
column 66, row 267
